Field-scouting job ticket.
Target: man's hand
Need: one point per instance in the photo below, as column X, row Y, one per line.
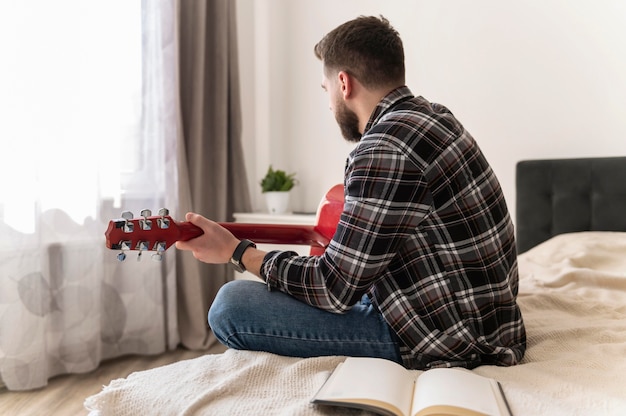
column 215, row 246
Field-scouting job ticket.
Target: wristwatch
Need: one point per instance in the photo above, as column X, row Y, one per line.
column 235, row 260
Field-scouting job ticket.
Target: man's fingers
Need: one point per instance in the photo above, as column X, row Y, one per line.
column 192, row 217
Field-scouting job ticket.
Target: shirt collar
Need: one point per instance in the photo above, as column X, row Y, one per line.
column 388, row 101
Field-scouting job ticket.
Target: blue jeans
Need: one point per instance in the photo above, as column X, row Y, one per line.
column 246, row 316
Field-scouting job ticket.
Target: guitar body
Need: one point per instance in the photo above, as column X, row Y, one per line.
column 158, row 233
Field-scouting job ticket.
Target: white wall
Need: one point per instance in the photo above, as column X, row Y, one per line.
column 529, row 79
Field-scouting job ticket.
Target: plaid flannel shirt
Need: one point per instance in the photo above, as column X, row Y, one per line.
column 426, row 233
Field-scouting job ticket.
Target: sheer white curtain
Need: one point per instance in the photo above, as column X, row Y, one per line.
column 88, row 110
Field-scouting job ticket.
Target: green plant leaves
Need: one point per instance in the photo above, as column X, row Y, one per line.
column 277, row 180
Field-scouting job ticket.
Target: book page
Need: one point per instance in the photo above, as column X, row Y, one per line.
column 370, row 382
column 446, row 389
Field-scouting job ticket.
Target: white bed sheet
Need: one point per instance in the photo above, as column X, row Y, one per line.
column 573, row 300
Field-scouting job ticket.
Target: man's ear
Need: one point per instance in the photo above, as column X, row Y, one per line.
column 345, row 84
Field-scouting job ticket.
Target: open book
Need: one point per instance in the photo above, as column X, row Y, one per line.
column 387, row 388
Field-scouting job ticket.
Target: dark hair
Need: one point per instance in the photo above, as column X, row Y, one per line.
column 368, row 48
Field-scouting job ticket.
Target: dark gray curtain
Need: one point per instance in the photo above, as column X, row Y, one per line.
column 212, row 175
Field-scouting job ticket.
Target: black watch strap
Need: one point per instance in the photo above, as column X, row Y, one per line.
column 235, row 260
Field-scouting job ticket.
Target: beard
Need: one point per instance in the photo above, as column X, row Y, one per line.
column 348, row 123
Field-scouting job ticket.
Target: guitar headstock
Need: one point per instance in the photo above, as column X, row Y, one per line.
column 147, row 233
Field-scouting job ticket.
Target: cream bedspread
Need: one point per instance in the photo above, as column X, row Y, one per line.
column 573, row 299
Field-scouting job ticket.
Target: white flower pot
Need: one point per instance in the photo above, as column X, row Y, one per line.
column 277, row 202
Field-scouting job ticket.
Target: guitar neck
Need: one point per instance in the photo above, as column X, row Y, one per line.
column 306, row 235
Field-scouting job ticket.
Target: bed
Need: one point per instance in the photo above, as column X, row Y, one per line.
column 571, row 229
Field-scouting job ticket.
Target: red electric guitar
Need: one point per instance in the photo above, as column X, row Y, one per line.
column 157, row 233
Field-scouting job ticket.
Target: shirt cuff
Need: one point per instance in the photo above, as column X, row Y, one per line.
column 269, row 267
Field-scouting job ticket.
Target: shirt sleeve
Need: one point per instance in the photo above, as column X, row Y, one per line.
column 382, row 207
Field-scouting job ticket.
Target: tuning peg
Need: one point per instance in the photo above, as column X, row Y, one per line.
column 164, row 222
column 159, row 247
column 146, row 224
column 128, row 225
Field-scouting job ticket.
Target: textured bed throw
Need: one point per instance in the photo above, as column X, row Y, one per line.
column 573, row 299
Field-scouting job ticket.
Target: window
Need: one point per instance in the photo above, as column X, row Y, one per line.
column 72, row 87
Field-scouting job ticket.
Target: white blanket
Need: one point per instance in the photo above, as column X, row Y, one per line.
column 573, row 299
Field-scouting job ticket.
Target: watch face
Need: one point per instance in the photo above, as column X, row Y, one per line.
column 237, row 266
column 235, row 260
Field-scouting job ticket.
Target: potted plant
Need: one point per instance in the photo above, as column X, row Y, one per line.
column 276, row 185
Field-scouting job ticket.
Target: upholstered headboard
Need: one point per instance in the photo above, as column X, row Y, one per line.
column 568, row 195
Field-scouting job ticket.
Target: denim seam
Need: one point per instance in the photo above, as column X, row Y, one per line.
column 307, row 339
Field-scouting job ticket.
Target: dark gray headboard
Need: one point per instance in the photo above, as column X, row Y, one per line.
column 567, row 195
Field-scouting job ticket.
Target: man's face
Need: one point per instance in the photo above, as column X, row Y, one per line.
column 346, row 119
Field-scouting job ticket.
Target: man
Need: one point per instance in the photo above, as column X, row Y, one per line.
column 422, row 269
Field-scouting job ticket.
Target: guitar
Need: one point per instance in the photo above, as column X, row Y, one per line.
column 159, row 232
